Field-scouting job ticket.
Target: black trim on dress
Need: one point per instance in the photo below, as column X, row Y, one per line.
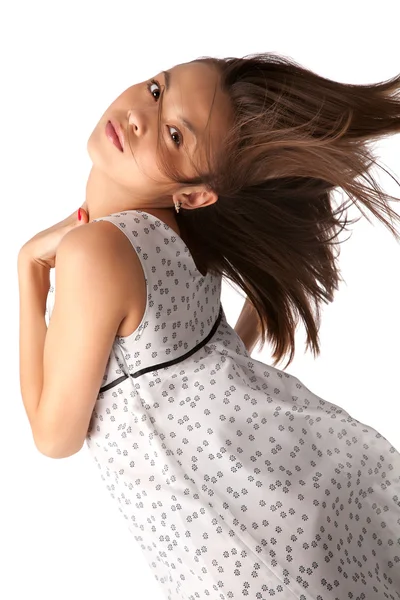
column 169, row 362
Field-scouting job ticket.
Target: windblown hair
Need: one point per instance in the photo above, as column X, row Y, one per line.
column 296, row 137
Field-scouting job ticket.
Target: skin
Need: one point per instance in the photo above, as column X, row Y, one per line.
column 121, row 181
column 100, row 283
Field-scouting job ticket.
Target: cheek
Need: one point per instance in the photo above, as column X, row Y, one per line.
column 146, row 162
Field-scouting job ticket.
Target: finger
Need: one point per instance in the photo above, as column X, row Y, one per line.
column 84, row 218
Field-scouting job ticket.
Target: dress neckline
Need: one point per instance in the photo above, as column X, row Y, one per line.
column 173, row 233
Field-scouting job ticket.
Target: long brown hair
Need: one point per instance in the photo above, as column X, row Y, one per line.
column 296, row 137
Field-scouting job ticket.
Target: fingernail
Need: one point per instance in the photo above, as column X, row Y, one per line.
column 79, row 215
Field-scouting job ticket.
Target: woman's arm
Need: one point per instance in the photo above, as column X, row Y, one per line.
column 248, row 326
column 34, row 284
column 62, row 365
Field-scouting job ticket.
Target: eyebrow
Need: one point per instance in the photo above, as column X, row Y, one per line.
column 185, row 122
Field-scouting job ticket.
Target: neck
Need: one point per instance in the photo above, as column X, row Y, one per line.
column 104, row 196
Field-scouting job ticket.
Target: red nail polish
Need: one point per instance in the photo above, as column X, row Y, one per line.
column 79, row 215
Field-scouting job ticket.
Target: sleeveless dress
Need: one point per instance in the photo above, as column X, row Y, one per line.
column 233, row 477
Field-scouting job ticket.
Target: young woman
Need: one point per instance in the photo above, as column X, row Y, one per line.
column 235, row 479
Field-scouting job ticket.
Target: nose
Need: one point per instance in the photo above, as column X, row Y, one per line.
column 137, row 121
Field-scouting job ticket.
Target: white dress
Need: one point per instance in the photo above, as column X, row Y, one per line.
column 234, row 478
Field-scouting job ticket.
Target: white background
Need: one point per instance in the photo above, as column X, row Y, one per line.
column 62, row 64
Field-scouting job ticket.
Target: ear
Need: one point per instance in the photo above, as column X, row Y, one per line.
column 195, row 197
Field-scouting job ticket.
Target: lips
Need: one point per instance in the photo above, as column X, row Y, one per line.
column 118, row 131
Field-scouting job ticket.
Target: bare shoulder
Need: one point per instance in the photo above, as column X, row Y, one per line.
column 106, row 243
column 100, row 240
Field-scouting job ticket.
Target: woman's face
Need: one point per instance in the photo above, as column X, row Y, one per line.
column 189, row 107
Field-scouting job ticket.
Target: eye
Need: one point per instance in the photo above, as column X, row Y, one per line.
column 177, row 138
column 152, row 91
column 154, row 88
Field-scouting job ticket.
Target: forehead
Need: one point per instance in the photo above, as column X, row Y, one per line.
column 199, row 75
column 195, row 90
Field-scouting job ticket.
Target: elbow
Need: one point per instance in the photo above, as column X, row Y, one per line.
column 52, row 450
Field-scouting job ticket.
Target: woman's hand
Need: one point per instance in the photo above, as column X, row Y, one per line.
column 42, row 248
